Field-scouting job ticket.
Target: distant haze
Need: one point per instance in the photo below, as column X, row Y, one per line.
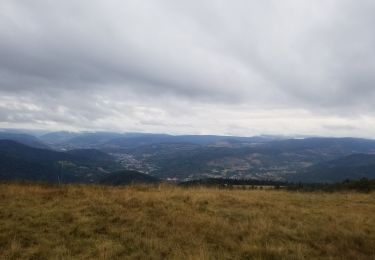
column 239, row 67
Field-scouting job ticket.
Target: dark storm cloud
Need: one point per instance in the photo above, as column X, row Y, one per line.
column 163, row 65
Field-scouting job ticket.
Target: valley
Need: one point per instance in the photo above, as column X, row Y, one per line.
column 88, row 157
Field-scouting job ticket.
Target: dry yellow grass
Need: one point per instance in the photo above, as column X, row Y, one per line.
column 86, row 222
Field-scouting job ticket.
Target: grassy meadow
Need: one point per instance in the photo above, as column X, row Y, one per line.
column 168, row 222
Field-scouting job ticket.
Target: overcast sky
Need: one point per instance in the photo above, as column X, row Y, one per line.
column 239, row 67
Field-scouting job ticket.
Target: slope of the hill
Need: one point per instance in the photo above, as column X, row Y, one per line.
column 355, row 166
column 12, row 168
column 21, row 162
column 160, row 222
column 125, row 177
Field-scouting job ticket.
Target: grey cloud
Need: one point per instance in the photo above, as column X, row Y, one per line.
column 167, row 64
column 341, row 127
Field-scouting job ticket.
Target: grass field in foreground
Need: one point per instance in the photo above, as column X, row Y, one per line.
column 166, row 222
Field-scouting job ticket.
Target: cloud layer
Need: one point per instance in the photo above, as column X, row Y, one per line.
column 224, row 67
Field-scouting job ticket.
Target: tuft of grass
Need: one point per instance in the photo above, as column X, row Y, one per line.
column 168, row 222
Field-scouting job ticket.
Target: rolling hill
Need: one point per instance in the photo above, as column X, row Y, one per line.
column 21, row 162
column 18, row 169
column 274, row 160
column 355, row 166
column 189, row 157
column 92, row 155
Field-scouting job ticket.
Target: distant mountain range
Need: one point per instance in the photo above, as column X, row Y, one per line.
column 88, row 157
column 116, row 141
column 69, row 140
column 23, row 139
